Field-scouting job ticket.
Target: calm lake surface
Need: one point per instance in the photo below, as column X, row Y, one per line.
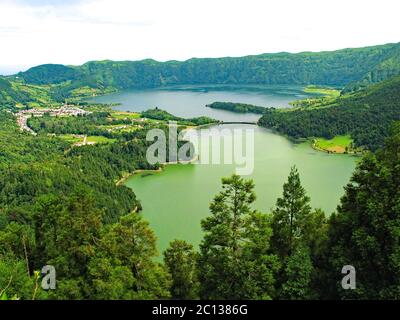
column 190, row 101
column 176, row 199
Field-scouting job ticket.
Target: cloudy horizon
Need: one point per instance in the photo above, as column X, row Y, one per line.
column 35, row 32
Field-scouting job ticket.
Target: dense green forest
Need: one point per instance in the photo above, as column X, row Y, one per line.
column 10, row 95
column 15, row 92
column 158, row 114
column 353, row 67
column 237, row 107
column 366, row 115
column 48, row 187
column 92, row 124
column 61, row 206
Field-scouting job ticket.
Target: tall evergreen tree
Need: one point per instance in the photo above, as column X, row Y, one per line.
column 298, row 272
column 124, row 266
column 234, row 262
column 365, row 232
column 181, row 262
column 289, row 216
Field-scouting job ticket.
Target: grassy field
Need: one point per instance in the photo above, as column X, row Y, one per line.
column 99, row 139
column 125, row 115
column 326, row 91
column 327, row 97
column 70, row 138
column 40, row 95
column 90, row 139
column 339, row 144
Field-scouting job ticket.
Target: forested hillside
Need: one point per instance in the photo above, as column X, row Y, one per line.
column 9, row 95
column 32, row 166
column 16, row 92
column 365, row 115
column 352, row 69
column 386, row 69
column 61, row 207
column 370, row 64
column 62, row 203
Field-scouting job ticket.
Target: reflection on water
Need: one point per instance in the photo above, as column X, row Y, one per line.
column 190, row 101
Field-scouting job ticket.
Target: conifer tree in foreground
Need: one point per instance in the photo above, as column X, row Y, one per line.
column 235, row 262
column 365, row 232
column 180, row 260
column 290, row 215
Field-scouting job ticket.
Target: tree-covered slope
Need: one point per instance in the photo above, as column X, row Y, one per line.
column 16, row 92
column 365, row 115
column 50, row 73
column 386, row 69
column 8, row 95
column 34, row 165
column 61, row 207
column 326, row 68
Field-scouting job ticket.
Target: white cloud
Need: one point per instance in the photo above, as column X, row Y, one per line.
column 51, row 31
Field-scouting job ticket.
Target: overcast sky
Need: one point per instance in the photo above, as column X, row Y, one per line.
column 34, row 32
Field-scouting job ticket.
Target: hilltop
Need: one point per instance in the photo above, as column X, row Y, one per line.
column 353, row 68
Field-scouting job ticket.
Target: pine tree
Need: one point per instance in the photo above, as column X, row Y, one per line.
column 365, row 232
column 298, row 272
column 124, row 266
column 234, row 261
column 289, row 216
column 181, row 262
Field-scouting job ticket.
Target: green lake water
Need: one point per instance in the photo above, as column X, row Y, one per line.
column 175, row 200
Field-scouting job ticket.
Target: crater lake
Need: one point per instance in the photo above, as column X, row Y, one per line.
column 175, row 200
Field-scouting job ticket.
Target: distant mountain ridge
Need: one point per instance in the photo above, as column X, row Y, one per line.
column 354, row 68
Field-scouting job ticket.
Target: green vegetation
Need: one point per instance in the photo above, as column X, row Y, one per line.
column 237, row 107
column 322, row 90
column 295, row 252
column 70, row 138
column 158, row 114
column 120, row 115
column 51, row 84
column 339, row 144
column 14, row 94
column 341, row 67
column 60, row 206
column 364, row 231
column 54, row 84
column 236, row 239
column 88, row 124
column 328, row 98
column 99, row 139
column 180, row 260
column 366, row 116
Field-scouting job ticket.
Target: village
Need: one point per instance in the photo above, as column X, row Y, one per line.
column 64, row 111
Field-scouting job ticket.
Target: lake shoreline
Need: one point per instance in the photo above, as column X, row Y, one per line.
column 125, row 177
column 350, row 153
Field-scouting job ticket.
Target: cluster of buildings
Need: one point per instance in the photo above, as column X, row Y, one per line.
column 64, row 111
